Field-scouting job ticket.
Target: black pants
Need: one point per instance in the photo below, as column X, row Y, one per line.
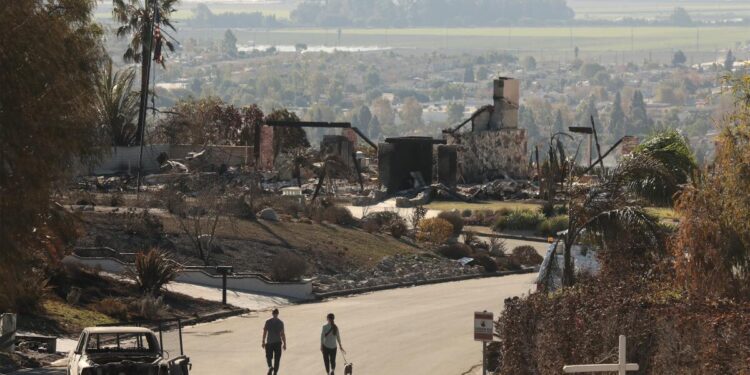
column 329, row 359
column 273, row 354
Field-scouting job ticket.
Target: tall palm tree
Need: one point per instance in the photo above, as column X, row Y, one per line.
column 611, row 205
column 117, row 104
column 137, row 21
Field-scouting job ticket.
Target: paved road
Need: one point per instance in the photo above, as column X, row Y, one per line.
column 418, row 331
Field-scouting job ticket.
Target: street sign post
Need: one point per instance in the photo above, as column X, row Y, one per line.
column 483, row 331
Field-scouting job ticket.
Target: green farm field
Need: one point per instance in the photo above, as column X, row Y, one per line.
column 698, row 9
column 530, row 39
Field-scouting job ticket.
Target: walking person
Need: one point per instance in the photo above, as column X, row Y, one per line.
column 330, row 340
column 273, row 338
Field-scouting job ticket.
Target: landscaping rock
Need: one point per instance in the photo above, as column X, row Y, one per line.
column 397, row 269
column 268, row 214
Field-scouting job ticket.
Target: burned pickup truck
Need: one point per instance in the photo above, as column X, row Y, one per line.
column 123, row 351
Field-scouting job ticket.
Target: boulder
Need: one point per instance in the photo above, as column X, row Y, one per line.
column 268, row 214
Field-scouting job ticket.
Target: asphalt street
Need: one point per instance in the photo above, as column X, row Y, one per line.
column 422, row 330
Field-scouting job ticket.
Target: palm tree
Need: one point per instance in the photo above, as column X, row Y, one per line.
column 117, row 104
column 612, row 205
column 137, row 22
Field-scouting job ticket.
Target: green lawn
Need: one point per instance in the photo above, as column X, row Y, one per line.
column 488, row 205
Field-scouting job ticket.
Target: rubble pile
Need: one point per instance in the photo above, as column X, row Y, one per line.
column 500, row 189
column 394, row 270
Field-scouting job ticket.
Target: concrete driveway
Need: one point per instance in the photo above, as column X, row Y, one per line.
column 418, row 331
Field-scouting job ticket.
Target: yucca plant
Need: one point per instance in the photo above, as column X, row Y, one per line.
column 153, row 270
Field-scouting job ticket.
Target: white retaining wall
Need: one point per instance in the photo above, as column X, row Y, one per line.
column 249, row 284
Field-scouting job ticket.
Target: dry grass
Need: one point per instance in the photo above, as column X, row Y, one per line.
column 362, row 247
column 663, row 213
column 72, row 318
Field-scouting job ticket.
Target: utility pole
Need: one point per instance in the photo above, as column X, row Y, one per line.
column 146, row 72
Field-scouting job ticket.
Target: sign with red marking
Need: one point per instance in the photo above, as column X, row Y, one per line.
column 483, row 326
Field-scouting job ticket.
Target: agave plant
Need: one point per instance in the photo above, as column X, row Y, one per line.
column 152, row 271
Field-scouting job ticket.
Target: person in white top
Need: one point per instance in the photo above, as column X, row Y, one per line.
column 329, row 338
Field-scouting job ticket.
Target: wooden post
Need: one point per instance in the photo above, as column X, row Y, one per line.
column 621, row 367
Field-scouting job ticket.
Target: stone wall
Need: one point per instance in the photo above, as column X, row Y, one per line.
column 489, row 155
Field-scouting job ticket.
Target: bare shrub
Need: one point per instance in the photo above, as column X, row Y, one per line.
column 507, row 263
column 455, row 219
column 288, row 266
column 152, row 271
column 527, row 256
column 470, row 238
column 455, row 251
column 497, row 247
column 82, row 198
column 116, row 200
column 398, row 228
column 151, row 307
column 435, row 230
column 167, row 199
column 370, row 226
column 22, row 292
column 487, row 263
column 339, row 215
column 417, row 215
column 112, row 307
column 383, row 218
column 142, row 223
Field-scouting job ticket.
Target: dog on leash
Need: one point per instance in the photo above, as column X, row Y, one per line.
column 348, row 369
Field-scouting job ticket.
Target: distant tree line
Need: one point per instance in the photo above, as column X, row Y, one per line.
column 390, row 13
column 204, row 17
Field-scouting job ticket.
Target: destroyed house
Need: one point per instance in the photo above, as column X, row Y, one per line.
column 406, row 162
column 493, row 147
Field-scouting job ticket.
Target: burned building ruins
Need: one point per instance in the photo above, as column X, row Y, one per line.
column 494, row 147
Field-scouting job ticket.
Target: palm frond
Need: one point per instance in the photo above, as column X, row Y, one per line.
column 631, row 218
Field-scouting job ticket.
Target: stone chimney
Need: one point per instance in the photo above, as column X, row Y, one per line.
column 506, row 96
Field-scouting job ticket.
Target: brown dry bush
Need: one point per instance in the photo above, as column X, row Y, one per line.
column 487, row 262
column 370, row 226
column 527, row 256
column 455, row 251
column 712, row 245
column 112, row 307
column 435, row 230
column 398, row 228
column 288, row 266
column 667, row 334
column 22, row 291
column 339, row 215
column 455, row 219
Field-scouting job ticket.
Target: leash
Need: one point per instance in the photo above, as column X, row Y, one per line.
column 344, row 356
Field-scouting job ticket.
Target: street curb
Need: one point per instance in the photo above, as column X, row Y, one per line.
column 214, row 316
column 351, row 292
column 508, row 236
